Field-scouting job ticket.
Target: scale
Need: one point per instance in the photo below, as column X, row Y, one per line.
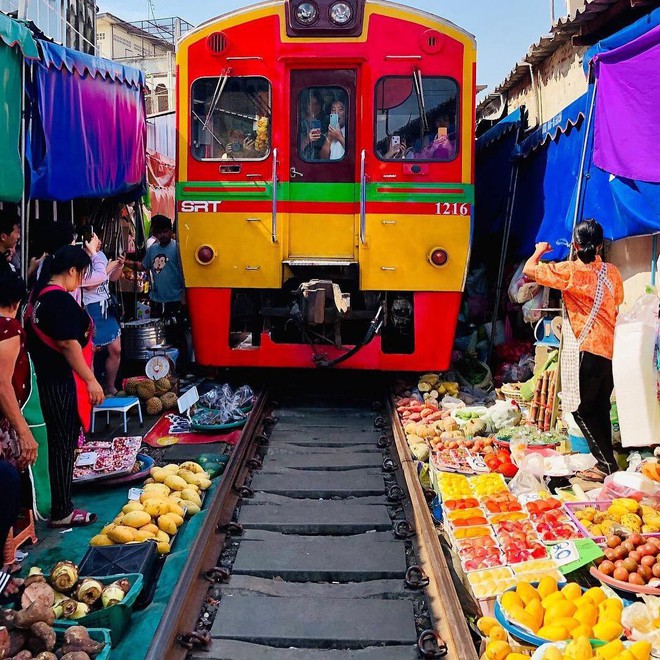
column 160, row 365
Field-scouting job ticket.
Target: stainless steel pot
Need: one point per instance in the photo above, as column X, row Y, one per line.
column 138, row 337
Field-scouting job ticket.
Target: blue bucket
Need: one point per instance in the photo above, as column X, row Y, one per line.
column 579, row 445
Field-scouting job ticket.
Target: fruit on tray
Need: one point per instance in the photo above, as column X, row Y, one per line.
column 500, row 461
column 506, row 517
column 516, row 534
column 171, row 494
column 465, row 503
column 559, row 614
column 478, row 542
column 472, row 532
column 467, row 518
column 634, row 560
column 454, row 486
column 491, row 582
column 554, row 525
column 488, row 484
column 479, row 558
column 624, row 512
column 517, row 555
column 538, row 507
column 580, row 649
column 535, row 566
column 503, row 502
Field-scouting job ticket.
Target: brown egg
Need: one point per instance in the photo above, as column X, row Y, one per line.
column 628, row 545
column 609, row 554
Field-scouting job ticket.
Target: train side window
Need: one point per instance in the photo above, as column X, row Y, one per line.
column 417, row 118
column 322, row 129
column 230, row 118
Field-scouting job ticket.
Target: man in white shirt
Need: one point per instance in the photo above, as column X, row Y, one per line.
column 334, row 147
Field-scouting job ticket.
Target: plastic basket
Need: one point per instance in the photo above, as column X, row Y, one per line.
column 115, row 618
column 97, row 634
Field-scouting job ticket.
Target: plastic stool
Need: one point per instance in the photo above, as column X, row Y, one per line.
column 117, row 404
column 18, row 536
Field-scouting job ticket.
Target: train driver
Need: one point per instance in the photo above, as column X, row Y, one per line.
column 334, row 146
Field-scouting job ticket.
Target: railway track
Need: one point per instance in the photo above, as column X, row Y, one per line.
column 318, row 544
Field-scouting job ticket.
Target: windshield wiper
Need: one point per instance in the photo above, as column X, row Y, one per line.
column 219, row 88
column 419, row 91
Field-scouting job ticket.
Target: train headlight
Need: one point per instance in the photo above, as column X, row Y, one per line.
column 307, row 13
column 205, row 255
column 341, row 13
column 438, row 257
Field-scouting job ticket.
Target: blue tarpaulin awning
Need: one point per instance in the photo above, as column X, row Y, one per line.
column 502, row 128
column 88, row 135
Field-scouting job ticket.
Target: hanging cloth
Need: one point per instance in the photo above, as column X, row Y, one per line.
column 570, row 358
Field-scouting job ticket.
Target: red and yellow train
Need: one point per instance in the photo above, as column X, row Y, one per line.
column 325, row 184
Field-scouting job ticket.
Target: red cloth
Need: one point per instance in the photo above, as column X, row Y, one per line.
column 161, row 178
column 10, row 328
column 162, row 428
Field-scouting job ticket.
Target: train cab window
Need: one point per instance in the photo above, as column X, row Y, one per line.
column 417, row 118
column 230, row 118
column 322, row 116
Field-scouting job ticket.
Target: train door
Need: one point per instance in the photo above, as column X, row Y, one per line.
column 322, row 166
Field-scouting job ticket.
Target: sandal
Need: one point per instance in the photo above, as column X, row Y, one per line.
column 78, row 518
column 593, row 474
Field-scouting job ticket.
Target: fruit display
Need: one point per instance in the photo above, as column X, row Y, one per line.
column 536, row 569
column 501, row 463
column 555, row 614
column 491, row 582
column 551, row 522
column 502, row 502
column 481, row 556
column 464, row 503
column 581, row 649
column 633, row 561
column 623, row 514
column 496, row 638
column 106, row 459
column 642, row 620
column 454, row 486
column 433, row 386
column 519, row 541
column 461, row 533
column 157, row 395
column 514, row 516
column 171, row 494
column 467, row 518
column 487, row 484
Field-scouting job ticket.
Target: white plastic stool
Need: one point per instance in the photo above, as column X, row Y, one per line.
column 121, row 405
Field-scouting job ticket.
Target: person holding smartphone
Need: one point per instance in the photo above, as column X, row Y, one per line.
column 334, row 146
column 97, row 301
column 439, row 145
column 310, row 138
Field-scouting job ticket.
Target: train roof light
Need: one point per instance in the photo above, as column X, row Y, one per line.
column 307, row 13
column 341, row 13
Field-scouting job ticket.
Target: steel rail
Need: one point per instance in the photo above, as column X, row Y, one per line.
column 189, row 593
column 444, row 606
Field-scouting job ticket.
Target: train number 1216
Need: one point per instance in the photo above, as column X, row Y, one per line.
column 446, row 208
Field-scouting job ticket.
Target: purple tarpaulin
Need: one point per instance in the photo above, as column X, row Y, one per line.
column 627, row 126
column 88, row 136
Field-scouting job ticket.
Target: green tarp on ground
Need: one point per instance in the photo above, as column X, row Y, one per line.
column 16, row 42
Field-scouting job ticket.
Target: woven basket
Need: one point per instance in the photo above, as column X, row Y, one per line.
column 512, row 393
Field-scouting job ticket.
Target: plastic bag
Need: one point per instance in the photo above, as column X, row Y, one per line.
column 526, row 483
column 640, row 619
column 503, row 415
column 521, row 290
column 630, row 484
column 449, row 403
column 533, row 308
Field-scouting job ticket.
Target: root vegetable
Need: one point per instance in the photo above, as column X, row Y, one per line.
column 34, row 613
column 4, row 643
column 82, row 610
column 89, row 591
column 112, row 595
column 8, row 619
column 17, row 641
column 23, row 655
column 46, row 655
column 77, row 639
column 64, row 576
column 76, row 655
column 43, row 638
column 38, row 592
column 35, row 575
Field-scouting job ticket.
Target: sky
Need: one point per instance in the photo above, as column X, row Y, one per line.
column 504, row 28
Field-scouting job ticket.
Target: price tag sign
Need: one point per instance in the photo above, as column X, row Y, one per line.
column 86, row 459
column 477, row 463
column 188, row 400
column 525, row 498
column 564, row 553
column 134, row 493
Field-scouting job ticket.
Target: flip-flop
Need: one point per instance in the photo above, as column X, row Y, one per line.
column 79, row 518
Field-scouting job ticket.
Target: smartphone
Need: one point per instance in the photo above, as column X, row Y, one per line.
column 442, row 131
column 334, row 120
column 315, row 124
column 395, row 141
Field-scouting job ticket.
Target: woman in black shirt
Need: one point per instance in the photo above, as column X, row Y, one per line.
column 60, row 342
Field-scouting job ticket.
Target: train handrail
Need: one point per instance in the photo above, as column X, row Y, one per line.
column 273, row 235
column 363, row 197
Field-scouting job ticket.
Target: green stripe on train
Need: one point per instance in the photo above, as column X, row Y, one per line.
column 325, row 192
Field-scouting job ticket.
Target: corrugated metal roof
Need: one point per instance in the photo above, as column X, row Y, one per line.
column 561, row 32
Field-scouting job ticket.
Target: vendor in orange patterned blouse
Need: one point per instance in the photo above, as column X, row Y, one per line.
column 592, row 292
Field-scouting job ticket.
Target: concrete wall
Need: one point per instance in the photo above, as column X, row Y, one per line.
column 632, row 256
column 558, row 82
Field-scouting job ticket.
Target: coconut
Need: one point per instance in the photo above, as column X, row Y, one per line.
column 169, row 400
column 163, row 385
column 146, row 390
column 154, row 406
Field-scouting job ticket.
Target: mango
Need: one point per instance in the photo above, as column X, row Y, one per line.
column 159, row 474
column 162, row 536
column 567, row 622
column 641, row 650
column 535, row 610
column 149, row 528
column 155, row 508
column 497, row 632
column 167, row 524
column 596, row 594
column 523, row 618
column 122, row 534
column 132, row 506
column 188, row 476
column 163, row 548
column 497, row 650
column 607, row 630
column 553, row 653
column 609, row 651
column 517, row 656
column 579, row 649
column 156, row 488
column 142, row 535
column 485, row 623
column 552, row 599
column 137, row 519
column 559, row 611
column 553, row 633
column 547, row 586
column 527, row 593
column 582, row 631
column 572, row 591
column 191, row 508
column 101, row 540
column 191, row 496
column 176, row 509
column 195, row 468
column 511, row 599
column 587, row 614
column 175, row 483
column 178, row 520
column 107, row 528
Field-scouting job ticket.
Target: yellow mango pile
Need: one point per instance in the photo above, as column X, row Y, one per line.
column 623, row 511
column 580, row 649
column 557, row 615
column 171, row 494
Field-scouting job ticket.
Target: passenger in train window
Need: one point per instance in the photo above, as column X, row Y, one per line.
column 334, row 147
column 439, row 145
column 397, row 148
column 311, row 125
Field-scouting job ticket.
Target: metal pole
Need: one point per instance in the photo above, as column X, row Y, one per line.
column 24, row 206
column 654, row 259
